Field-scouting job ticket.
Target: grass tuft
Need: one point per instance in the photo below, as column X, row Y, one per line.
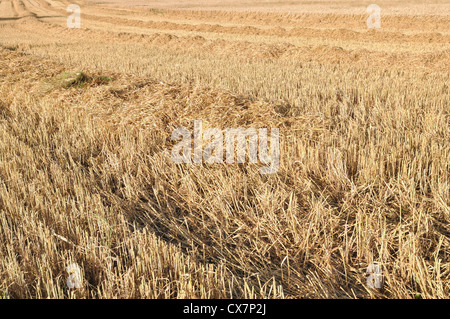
column 77, row 79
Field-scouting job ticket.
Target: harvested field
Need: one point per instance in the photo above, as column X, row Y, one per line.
column 87, row 178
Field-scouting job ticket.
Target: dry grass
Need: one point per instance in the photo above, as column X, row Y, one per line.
column 86, row 175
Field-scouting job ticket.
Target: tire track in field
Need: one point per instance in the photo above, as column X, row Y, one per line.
column 22, row 10
column 36, row 9
column 45, row 8
column 51, row 4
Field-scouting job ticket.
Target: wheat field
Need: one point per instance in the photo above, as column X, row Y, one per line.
column 87, row 178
